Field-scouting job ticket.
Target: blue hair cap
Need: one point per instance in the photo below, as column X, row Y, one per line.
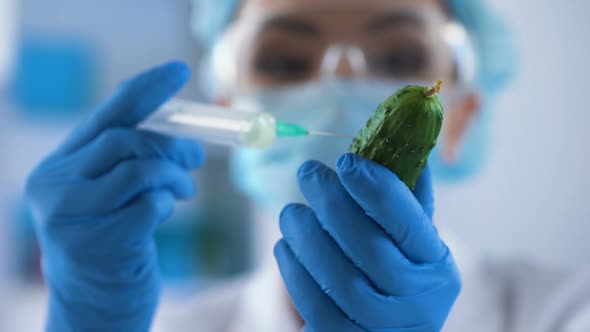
column 491, row 36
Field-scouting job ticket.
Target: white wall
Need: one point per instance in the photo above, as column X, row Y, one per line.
column 129, row 36
column 533, row 197
column 7, row 37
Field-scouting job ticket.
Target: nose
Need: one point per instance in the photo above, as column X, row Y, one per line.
column 343, row 61
column 344, row 67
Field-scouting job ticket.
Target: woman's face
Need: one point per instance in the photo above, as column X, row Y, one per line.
column 284, row 42
column 277, row 43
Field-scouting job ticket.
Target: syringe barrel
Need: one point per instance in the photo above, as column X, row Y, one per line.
column 212, row 123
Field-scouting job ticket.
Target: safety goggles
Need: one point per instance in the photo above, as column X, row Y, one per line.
column 286, row 48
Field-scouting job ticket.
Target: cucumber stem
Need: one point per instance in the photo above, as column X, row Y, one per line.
column 433, row 90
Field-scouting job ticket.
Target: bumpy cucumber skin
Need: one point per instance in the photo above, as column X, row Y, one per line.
column 402, row 133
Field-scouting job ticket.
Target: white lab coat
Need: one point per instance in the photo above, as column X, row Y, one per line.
column 496, row 297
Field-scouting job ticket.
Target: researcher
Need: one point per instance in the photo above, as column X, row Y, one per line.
column 344, row 244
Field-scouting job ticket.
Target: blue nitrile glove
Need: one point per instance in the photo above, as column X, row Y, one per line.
column 97, row 200
column 365, row 256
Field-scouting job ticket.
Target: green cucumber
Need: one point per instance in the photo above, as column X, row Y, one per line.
column 403, row 131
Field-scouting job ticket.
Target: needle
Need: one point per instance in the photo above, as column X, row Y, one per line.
column 325, row 134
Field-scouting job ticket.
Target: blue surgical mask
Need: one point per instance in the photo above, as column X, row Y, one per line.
column 337, row 106
column 472, row 154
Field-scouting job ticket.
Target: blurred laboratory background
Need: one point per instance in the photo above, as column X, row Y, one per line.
column 59, row 58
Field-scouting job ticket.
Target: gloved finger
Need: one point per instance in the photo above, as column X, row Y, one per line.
column 316, row 308
column 113, row 146
column 337, row 276
column 386, row 199
column 424, row 192
column 134, row 177
column 122, row 230
column 359, row 237
column 134, row 101
column 136, row 222
column 114, row 190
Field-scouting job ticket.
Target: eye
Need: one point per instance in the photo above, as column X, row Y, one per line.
column 399, row 63
column 283, row 66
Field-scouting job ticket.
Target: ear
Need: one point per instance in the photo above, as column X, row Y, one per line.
column 459, row 116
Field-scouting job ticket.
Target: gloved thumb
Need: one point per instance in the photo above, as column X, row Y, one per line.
column 133, row 102
column 424, row 193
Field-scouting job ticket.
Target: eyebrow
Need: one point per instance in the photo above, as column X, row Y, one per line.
column 291, row 24
column 394, row 20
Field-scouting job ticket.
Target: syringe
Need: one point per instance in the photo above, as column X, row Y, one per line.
column 222, row 125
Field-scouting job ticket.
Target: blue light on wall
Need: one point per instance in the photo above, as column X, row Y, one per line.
column 54, row 77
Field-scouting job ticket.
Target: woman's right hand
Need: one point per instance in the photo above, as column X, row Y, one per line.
column 97, row 201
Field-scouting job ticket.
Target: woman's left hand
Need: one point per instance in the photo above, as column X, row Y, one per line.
column 365, row 256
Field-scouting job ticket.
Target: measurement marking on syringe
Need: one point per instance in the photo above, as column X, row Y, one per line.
column 207, row 122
